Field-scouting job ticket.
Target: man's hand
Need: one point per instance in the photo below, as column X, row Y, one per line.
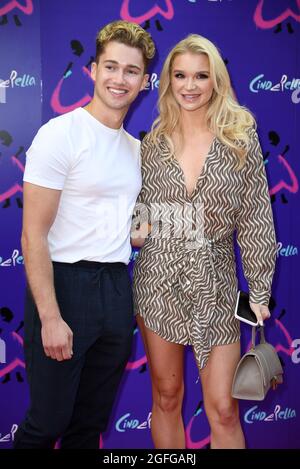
column 57, row 339
column 261, row 312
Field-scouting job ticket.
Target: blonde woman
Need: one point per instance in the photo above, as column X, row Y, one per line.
column 203, row 179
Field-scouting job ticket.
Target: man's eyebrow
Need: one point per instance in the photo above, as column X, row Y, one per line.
column 127, row 65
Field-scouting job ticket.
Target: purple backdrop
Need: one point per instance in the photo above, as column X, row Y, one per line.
column 45, row 53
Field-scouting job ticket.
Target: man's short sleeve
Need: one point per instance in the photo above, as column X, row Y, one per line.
column 48, row 160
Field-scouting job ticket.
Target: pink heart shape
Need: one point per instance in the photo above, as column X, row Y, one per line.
column 27, row 8
column 293, row 187
column 268, row 24
column 168, row 14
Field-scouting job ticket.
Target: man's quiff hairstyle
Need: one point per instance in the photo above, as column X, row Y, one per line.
column 127, row 33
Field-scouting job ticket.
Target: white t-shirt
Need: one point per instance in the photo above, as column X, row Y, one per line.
column 98, row 171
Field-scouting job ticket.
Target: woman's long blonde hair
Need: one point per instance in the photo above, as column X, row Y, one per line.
column 226, row 119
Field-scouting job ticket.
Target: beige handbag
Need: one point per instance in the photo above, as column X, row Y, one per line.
column 257, row 371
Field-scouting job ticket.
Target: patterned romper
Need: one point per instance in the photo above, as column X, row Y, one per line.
column 185, row 285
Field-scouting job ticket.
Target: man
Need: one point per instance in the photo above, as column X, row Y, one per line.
column 81, row 182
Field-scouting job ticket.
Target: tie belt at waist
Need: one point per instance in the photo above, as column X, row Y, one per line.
column 181, row 249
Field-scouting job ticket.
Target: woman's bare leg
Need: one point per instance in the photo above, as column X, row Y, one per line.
column 165, row 360
column 221, row 409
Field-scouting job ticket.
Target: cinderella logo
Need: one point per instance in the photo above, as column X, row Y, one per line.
column 12, row 261
column 153, row 82
column 15, row 80
column 259, row 83
column 9, row 436
column 127, row 423
column 23, row 81
column 255, row 415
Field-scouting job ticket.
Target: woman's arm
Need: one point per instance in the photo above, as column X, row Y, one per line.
column 255, row 230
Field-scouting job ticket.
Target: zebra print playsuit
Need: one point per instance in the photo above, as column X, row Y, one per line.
column 185, row 288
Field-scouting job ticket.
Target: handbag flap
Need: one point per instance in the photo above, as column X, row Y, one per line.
column 268, row 360
column 268, row 356
column 248, row 382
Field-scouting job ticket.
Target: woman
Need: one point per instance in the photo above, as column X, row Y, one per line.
column 203, row 178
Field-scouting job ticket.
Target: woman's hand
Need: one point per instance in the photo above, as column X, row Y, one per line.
column 261, row 312
column 137, row 237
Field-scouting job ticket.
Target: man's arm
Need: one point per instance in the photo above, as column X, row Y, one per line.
column 40, row 208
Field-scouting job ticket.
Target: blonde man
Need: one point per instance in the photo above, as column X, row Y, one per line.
column 81, row 181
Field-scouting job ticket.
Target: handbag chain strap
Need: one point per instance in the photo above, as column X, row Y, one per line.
column 274, row 380
column 262, row 335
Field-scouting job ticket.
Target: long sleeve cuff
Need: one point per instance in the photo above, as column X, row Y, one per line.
column 259, row 297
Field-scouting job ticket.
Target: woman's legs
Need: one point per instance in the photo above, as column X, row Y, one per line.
column 221, row 409
column 165, row 360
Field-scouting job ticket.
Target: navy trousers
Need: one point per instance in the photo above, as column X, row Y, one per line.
column 72, row 399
